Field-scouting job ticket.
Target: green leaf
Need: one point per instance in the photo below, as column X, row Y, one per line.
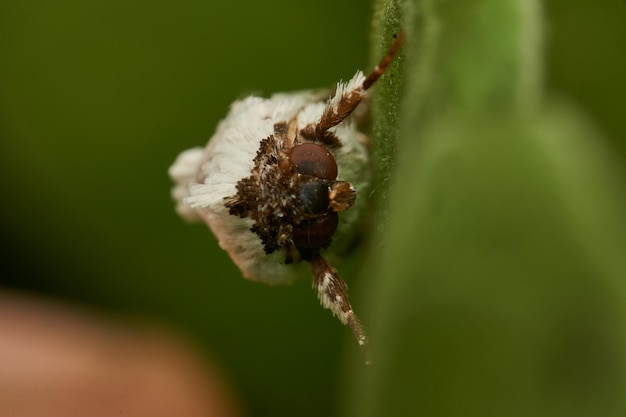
column 499, row 290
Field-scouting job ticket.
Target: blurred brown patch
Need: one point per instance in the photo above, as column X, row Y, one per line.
column 59, row 361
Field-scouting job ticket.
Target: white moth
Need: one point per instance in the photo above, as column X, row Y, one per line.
column 272, row 180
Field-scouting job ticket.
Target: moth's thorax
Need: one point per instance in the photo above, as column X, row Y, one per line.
column 269, row 195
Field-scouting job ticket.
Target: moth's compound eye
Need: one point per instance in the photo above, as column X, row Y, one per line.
column 315, row 160
column 314, row 196
column 315, row 233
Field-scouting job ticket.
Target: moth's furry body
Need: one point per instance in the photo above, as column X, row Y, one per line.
column 206, row 177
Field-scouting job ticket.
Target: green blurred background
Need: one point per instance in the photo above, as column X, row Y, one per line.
column 97, row 99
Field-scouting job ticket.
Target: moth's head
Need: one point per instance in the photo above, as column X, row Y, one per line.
column 320, row 195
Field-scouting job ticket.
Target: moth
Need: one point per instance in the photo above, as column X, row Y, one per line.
column 272, row 181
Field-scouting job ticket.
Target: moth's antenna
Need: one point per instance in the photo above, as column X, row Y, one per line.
column 384, row 63
column 346, row 98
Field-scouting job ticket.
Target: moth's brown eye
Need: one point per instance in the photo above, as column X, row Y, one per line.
column 315, row 233
column 315, row 160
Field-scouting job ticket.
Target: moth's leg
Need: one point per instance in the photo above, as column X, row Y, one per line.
column 333, row 294
column 283, row 132
column 280, row 131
